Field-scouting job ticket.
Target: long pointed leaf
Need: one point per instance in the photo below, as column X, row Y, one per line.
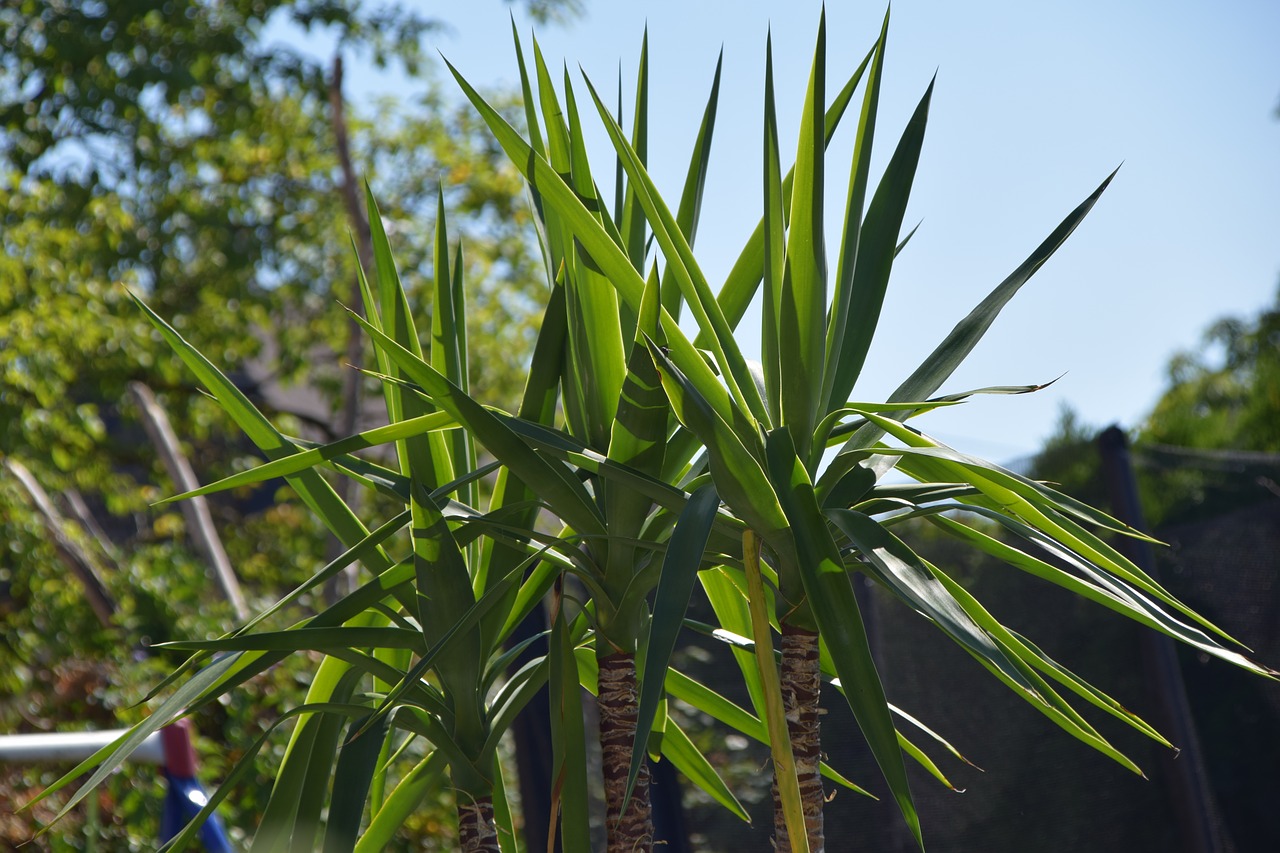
column 1095, row 584
column 681, row 751
column 679, row 573
column 559, row 487
column 311, row 487
column 851, row 237
column 357, row 762
column 775, row 248
column 948, row 355
column 632, row 225
column 877, row 248
column 569, row 786
column 679, row 257
column 739, row 287
column 894, row 563
column 802, row 303
column 408, row 794
column 690, row 209
column 304, row 459
column 965, row 336
column 1027, row 500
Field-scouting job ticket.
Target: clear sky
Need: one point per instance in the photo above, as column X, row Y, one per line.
column 1035, row 104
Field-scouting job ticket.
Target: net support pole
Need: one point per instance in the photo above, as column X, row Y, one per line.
column 1184, row 771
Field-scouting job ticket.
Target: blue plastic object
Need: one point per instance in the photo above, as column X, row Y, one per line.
column 182, row 802
column 185, row 798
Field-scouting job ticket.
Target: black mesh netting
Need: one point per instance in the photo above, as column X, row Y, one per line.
column 1042, row 790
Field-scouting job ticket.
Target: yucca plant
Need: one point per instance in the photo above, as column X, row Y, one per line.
column 616, row 532
column 592, row 356
column 768, row 437
column 445, row 610
column 617, row 417
column 560, row 169
column 669, row 455
column 413, row 682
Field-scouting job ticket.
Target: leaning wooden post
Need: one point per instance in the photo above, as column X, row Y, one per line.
column 195, row 510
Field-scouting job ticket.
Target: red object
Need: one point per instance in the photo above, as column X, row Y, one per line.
column 179, row 755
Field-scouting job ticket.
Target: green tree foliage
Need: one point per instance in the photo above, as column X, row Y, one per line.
column 1210, row 441
column 1226, row 394
column 170, row 148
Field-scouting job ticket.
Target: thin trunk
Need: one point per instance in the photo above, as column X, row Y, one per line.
column 801, row 689
column 349, row 411
column 364, row 248
column 632, row 831
column 476, row 830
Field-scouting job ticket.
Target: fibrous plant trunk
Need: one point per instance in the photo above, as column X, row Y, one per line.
column 801, row 679
column 476, row 830
column 630, row 831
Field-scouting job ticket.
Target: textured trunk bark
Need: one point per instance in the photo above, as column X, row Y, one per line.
column 476, row 830
column 632, row 831
column 801, row 688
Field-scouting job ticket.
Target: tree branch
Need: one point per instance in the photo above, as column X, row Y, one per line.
column 75, row 557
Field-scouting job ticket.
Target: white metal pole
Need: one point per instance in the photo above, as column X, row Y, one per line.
column 73, row 746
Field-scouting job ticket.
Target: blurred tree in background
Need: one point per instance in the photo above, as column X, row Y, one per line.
column 1226, row 394
column 1211, row 438
column 1212, row 441
column 173, row 148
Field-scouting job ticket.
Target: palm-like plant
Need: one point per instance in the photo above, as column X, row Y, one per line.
column 658, row 430
column 446, row 610
column 614, row 408
column 413, row 656
column 767, row 437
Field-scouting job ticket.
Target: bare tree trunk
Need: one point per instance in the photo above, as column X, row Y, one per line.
column 349, row 413
column 801, row 689
column 476, row 830
column 618, row 700
column 364, row 249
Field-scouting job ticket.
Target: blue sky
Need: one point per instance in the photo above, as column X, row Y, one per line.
column 1035, row 104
